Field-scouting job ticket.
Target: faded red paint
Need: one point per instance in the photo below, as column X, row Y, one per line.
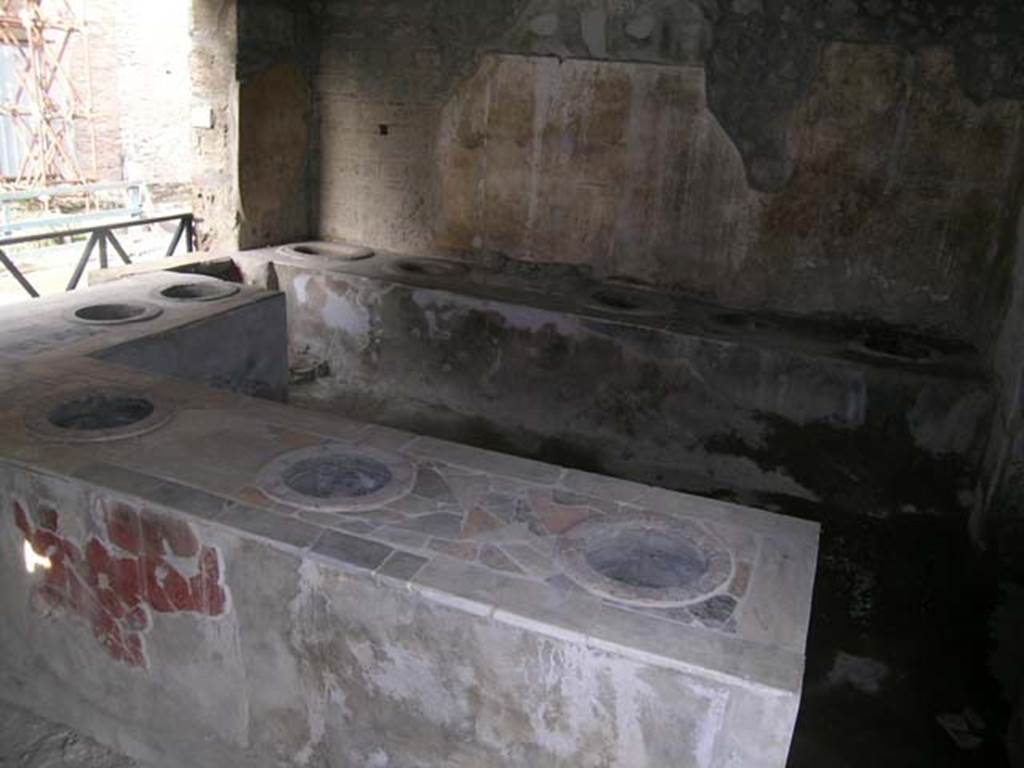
column 116, row 581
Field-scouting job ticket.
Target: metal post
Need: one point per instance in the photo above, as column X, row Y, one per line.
column 190, row 233
column 177, row 236
column 101, row 235
column 80, row 268
column 117, row 247
column 17, row 275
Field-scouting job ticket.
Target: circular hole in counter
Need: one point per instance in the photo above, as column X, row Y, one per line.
column 646, row 559
column 337, row 476
column 630, row 302
column 430, row 267
column 334, row 251
column 100, row 411
column 652, row 560
column 97, row 415
column 341, row 475
column 115, row 313
column 206, row 291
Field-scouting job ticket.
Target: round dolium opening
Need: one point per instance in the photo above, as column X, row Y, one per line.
column 110, row 312
column 100, row 411
column 198, row 291
column 335, row 476
column 647, row 559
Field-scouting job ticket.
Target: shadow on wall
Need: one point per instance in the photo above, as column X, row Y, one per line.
column 625, row 168
column 273, row 144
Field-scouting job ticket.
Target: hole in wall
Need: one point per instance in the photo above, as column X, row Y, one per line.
column 382, row 129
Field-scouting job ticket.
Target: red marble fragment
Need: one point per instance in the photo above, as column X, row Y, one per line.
column 214, row 598
column 197, row 590
column 110, row 603
column 133, row 653
column 58, row 575
column 179, row 537
column 152, row 536
column 45, row 543
column 136, row 618
column 113, row 592
column 69, row 551
column 76, row 594
column 123, row 528
column 127, row 580
column 47, row 518
column 151, row 569
column 100, row 563
column 21, row 520
column 177, row 592
column 106, row 630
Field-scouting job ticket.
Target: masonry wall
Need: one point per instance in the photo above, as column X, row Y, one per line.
column 214, row 35
column 251, row 67
column 726, row 150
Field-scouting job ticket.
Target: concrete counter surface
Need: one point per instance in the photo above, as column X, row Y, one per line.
column 198, row 577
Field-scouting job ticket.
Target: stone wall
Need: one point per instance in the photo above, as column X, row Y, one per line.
column 793, row 173
column 214, row 137
column 276, row 54
column 251, row 72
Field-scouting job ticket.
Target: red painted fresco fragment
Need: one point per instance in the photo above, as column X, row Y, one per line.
column 123, row 527
column 115, row 593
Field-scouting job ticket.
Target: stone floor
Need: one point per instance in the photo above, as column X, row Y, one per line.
column 27, row 741
column 900, row 636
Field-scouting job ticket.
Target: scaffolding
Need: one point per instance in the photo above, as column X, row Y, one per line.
column 41, row 105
